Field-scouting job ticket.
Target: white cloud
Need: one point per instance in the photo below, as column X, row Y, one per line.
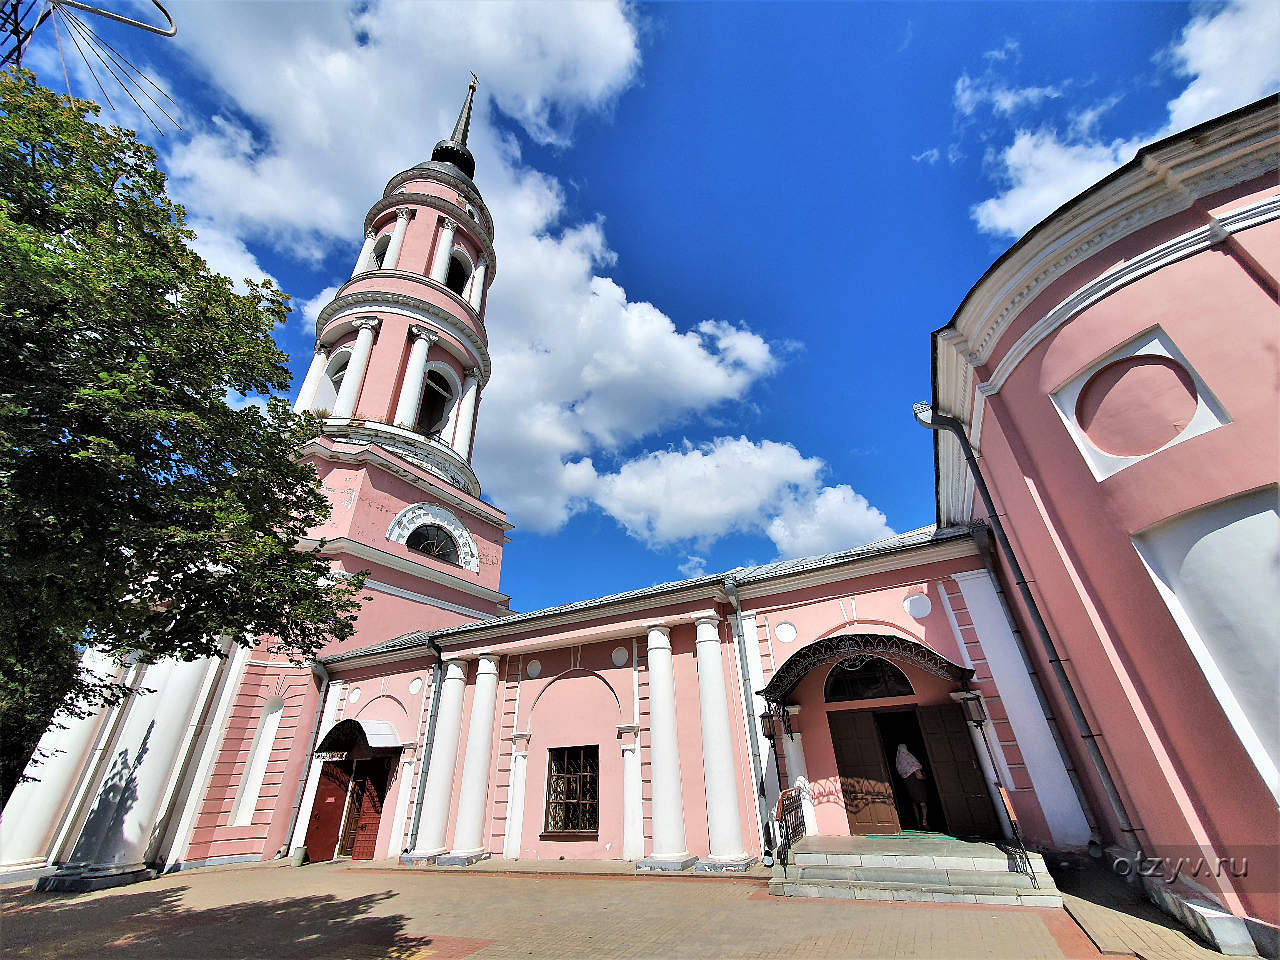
column 308, row 311
column 1228, row 54
column 970, row 94
column 227, row 254
column 834, row 518
column 238, row 401
column 693, row 566
column 930, row 156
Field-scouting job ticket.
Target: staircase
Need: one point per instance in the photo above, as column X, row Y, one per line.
column 932, row 869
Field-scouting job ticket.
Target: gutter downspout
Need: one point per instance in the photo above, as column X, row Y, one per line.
column 437, row 675
column 317, row 668
column 748, row 701
column 927, row 417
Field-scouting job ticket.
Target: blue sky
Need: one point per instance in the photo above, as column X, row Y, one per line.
column 724, row 230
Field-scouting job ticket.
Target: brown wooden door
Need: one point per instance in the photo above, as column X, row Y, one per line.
column 864, row 781
column 326, row 812
column 367, row 815
column 957, row 775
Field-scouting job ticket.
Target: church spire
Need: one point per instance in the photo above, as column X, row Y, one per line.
column 454, row 150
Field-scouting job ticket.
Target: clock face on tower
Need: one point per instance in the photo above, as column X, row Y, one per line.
column 434, row 541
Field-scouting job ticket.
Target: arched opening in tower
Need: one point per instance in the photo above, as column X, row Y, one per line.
column 458, row 275
column 437, row 400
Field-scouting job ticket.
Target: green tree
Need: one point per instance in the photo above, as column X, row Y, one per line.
column 139, row 511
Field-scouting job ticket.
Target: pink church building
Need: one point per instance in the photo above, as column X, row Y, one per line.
column 1087, row 664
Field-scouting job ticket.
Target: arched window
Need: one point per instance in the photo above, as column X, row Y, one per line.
column 459, row 273
column 255, row 770
column 437, row 401
column 870, row 679
column 435, row 541
column 327, row 390
column 380, row 250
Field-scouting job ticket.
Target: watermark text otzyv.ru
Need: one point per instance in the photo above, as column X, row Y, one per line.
column 1169, row 869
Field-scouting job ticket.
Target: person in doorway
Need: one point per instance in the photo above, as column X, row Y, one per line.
column 911, row 771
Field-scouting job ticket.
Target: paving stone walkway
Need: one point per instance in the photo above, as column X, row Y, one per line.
column 335, row 911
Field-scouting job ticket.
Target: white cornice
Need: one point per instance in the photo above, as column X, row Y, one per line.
column 857, row 567
column 395, row 591
column 362, row 551
column 372, row 456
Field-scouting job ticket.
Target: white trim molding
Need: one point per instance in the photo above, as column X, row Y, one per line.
column 417, row 514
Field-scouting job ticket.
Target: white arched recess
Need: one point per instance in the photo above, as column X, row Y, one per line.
column 417, row 514
column 327, row 390
column 256, row 769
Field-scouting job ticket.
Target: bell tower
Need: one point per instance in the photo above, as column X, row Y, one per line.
column 401, row 362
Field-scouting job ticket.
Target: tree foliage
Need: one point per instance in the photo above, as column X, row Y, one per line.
column 139, row 512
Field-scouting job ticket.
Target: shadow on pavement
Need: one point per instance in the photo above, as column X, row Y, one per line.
column 156, row 923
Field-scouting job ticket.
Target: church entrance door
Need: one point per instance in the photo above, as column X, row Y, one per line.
column 364, row 812
column 328, row 808
column 864, row 778
column 953, row 762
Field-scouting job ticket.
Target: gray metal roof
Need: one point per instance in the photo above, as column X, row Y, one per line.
column 767, row 571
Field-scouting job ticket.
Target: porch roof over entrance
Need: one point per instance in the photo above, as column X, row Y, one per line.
column 377, row 733
column 865, row 645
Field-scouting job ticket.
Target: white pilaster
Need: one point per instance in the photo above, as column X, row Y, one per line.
column 36, row 808
column 476, row 294
column 440, row 267
column 798, row 774
column 466, row 414
column 328, row 712
column 1058, row 799
column 515, row 800
column 392, row 258
column 415, row 375
column 352, row 380
column 724, row 821
column 468, row 833
column 755, row 671
column 632, row 801
column 670, row 848
column 444, row 758
column 364, row 262
column 315, row 373
column 404, row 789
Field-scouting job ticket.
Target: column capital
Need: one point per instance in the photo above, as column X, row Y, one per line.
column 659, row 636
column 370, row 234
column 449, row 223
column 473, row 373
column 366, row 323
column 418, row 332
column 322, row 349
column 404, row 213
column 705, row 619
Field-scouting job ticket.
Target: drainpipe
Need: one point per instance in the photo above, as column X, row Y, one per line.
column 437, row 675
column 748, row 701
column 321, row 674
column 927, row 417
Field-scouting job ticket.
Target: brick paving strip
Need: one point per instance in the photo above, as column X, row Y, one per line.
column 334, row 911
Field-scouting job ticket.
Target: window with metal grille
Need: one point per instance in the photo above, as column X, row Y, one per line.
column 573, row 792
column 435, row 541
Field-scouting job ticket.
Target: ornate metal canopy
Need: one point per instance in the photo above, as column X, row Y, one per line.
column 859, row 648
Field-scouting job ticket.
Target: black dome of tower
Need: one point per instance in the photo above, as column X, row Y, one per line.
column 454, row 150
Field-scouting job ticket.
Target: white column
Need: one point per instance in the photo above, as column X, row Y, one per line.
column 403, row 216
column 328, row 712
column 415, row 375
column 364, row 262
column 670, row 848
column 440, row 268
column 724, row 821
column 466, row 414
column 404, row 788
column 1049, row 777
column 798, row 774
column 444, row 757
column 315, row 373
column 515, row 802
column 149, row 754
column 468, row 833
column 36, row 808
column 353, row 378
column 476, row 295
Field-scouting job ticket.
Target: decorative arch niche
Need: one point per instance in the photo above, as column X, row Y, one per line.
column 420, row 514
column 865, row 678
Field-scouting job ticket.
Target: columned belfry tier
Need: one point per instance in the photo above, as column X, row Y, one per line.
column 402, row 357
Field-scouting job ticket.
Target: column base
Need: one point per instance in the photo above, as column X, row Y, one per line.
column 462, row 859
column 667, row 863
column 85, row 882
column 716, row 865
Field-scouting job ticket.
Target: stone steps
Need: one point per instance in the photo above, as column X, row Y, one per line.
column 914, row 878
